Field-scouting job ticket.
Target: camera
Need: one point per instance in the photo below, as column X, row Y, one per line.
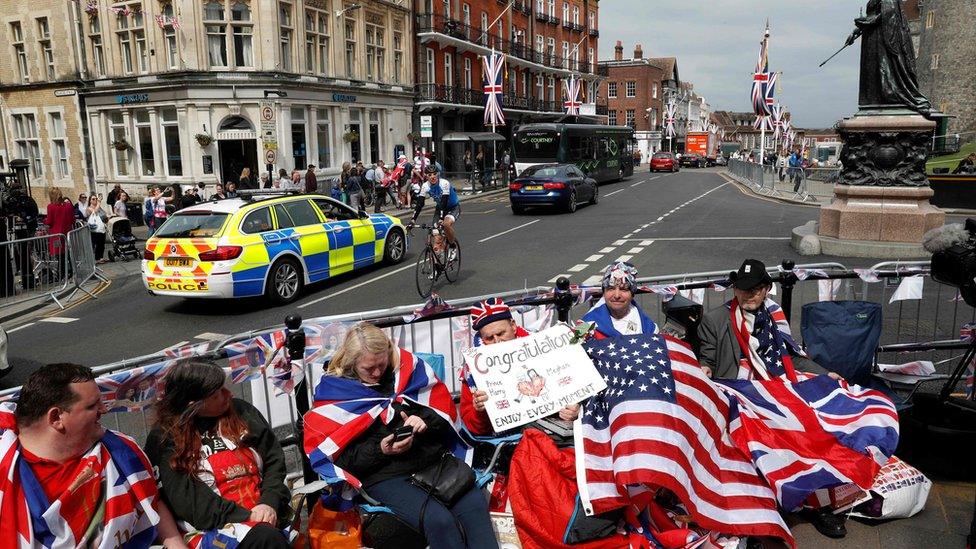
column 954, row 263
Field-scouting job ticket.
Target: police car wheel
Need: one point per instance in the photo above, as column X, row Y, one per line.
column 284, row 281
column 395, row 248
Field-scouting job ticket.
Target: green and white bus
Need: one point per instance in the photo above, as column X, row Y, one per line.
column 605, row 153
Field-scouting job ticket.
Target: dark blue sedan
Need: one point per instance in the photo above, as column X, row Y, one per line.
column 563, row 186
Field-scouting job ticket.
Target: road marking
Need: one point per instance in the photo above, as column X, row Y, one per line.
column 653, row 178
column 21, row 327
column 485, row 212
column 210, row 336
column 717, row 238
column 578, row 268
column 635, row 250
column 594, row 257
column 557, row 277
column 625, row 257
column 593, row 280
column 509, row 230
column 58, row 319
column 360, row 285
column 608, row 249
column 619, row 242
column 638, row 183
column 646, row 242
column 613, row 193
column 660, row 218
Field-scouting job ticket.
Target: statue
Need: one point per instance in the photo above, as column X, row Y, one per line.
column 888, row 75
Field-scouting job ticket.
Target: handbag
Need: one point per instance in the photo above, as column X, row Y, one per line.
column 446, row 480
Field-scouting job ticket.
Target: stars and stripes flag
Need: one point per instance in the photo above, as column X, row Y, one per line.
column 670, row 111
column 493, row 70
column 345, row 408
column 572, row 88
column 761, row 78
column 661, row 422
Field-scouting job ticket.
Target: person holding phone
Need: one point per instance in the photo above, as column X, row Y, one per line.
column 387, row 440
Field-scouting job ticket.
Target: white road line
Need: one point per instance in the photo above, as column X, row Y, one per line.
column 660, row 218
column 608, row 249
column 555, row 278
column 625, row 257
column 21, row 327
column 715, row 238
column 486, row 239
column 646, row 242
column 577, row 268
column 594, row 257
column 58, row 319
column 613, row 193
column 653, row 178
column 635, row 250
column 619, row 242
column 593, row 280
column 210, row 336
column 360, row 285
column 636, row 184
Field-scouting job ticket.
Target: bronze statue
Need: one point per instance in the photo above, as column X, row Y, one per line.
column 888, row 75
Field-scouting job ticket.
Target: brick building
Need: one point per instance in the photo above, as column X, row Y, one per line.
column 636, row 90
column 544, row 42
column 947, row 47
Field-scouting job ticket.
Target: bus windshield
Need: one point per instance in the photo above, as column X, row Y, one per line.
column 536, row 145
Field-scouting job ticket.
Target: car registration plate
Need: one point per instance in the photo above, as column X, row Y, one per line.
column 177, row 261
column 533, row 187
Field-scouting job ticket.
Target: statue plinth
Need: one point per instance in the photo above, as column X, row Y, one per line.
column 882, row 196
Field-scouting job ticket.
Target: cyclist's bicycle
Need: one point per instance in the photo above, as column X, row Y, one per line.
column 436, row 259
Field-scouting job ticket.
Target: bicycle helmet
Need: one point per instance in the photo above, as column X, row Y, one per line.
column 430, row 169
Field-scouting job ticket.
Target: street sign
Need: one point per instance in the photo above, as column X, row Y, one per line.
column 270, row 156
column 269, row 132
column 426, row 126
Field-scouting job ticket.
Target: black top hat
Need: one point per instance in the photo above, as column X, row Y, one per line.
column 752, row 273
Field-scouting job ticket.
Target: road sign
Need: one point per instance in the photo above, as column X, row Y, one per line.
column 270, row 156
column 269, row 131
column 426, row 126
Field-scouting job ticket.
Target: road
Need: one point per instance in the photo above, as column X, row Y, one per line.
column 663, row 223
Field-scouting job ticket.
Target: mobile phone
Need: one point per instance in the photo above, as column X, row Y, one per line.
column 402, row 433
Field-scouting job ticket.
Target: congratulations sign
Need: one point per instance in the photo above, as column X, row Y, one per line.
column 533, row 377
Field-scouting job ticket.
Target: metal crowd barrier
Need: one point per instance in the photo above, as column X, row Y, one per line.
column 37, row 267
column 477, row 180
column 804, row 184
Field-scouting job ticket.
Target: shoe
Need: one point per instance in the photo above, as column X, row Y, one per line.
column 452, row 254
column 827, row 523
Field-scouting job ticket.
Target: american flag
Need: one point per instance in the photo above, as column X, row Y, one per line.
column 669, row 117
column 761, row 78
column 345, row 408
column 493, row 66
column 661, row 422
column 572, row 87
column 771, row 339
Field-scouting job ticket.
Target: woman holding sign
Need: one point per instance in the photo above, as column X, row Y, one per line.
column 383, row 420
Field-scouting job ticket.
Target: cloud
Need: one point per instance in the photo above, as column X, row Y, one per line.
column 717, row 44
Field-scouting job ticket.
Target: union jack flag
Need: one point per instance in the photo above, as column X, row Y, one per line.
column 493, row 70
column 670, row 112
column 763, row 122
column 761, row 79
column 779, row 114
column 345, row 408
column 133, row 390
column 248, row 359
column 572, row 87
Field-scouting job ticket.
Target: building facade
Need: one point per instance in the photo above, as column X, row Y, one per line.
column 544, row 43
column 41, row 108
column 947, row 46
column 637, row 90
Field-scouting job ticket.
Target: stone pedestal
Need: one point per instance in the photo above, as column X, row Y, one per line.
column 881, row 203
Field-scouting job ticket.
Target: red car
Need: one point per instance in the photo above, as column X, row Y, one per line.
column 664, row 161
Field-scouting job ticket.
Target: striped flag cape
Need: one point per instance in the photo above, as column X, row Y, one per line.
column 493, row 70
column 114, row 486
column 345, row 408
column 572, row 88
column 761, row 79
column 662, row 423
column 767, row 351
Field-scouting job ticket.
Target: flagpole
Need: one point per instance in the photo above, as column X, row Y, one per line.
column 762, row 141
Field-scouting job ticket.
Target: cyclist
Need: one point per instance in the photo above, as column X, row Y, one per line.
column 447, row 207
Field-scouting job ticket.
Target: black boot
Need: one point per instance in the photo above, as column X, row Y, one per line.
column 826, row 522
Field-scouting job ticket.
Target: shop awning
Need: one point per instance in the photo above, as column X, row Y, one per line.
column 473, row 136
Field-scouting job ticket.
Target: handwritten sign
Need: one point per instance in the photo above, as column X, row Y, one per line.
column 533, row 377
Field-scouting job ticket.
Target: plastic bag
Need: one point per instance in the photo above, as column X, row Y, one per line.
column 899, row 491
column 333, row 530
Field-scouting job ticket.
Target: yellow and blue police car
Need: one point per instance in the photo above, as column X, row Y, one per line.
column 267, row 244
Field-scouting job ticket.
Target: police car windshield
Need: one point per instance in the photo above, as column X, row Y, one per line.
column 192, row 225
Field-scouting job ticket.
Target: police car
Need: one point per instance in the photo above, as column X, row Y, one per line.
column 267, row 244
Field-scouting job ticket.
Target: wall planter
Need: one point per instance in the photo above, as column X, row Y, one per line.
column 204, row 139
column 350, row 137
column 121, row 145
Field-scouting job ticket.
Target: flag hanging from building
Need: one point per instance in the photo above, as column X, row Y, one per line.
column 761, row 78
column 572, row 87
column 669, row 116
column 493, row 66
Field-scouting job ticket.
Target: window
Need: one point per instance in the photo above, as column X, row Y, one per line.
column 257, row 221
column 612, row 90
column 132, row 38
column 631, row 89
column 467, row 73
column 397, row 57
column 551, row 47
column 316, row 41
column 540, row 43
column 287, row 33
column 350, row 47
column 169, row 38
column 552, row 88
column 654, row 91
column 448, row 69
column 612, row 118
column 171, row 141
column 591, row 57
column 484, row 28
column 591, row 19
column 26, row 143
column 98, row 51
column 565, row 12
column 540, row 87
column 375, row 48
column 551, row 4
column 576, row 18
column 466, row 19
column 301, row 213
column 44, row 42
column 298, row 141
column 525, row 84
column 20, row 51
column 935, row 61
column 242, row 29
column 323, row 137
column 540, row 6
column 630, row 118
column 147, row 159
column 116, row 127
column 429, row 73
column 929, row 19
column 213, row 18
column 565, row 54
column 447, row 9
column 59, row 151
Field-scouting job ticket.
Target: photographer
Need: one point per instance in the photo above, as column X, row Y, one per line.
column 23, row 210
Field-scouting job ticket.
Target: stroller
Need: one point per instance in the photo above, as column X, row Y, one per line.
column 123, row 242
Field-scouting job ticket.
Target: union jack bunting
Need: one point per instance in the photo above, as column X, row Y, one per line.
column 761, row 78
column 345, row 408
column 670, row 112
column 322, row 340
column 248, row 359
column 763, row 122
column 133, row 390
column 779, row 112
column 493, row 70
column 572, row 88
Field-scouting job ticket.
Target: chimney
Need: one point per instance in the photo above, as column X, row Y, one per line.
column 618, row 51
column 638, row 52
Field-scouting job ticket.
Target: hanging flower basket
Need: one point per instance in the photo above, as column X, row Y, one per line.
column 121, row 145
column 350, row 137
column 204, row 139
column 91, row 8
column 413, row 136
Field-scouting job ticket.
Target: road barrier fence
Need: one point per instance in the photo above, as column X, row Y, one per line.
column 811, row 184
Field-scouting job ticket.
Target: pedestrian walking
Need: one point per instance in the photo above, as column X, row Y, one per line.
column 781, row 164
column 311, row 182
column 796, row 170
column 96, row 218
column 354, row 189
column 479, row 164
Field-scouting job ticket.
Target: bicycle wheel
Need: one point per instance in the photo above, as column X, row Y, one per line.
column 425, row 273
column 452, row 267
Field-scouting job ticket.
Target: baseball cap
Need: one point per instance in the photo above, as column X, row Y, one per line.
column 751, row 273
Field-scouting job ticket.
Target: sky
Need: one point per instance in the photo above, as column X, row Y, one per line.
column 717, row 45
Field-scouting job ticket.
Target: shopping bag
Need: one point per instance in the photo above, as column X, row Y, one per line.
column 333, row 530
column 899, row 491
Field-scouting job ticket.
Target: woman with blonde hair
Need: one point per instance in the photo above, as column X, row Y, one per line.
column 245, row 180
column 397, row 439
